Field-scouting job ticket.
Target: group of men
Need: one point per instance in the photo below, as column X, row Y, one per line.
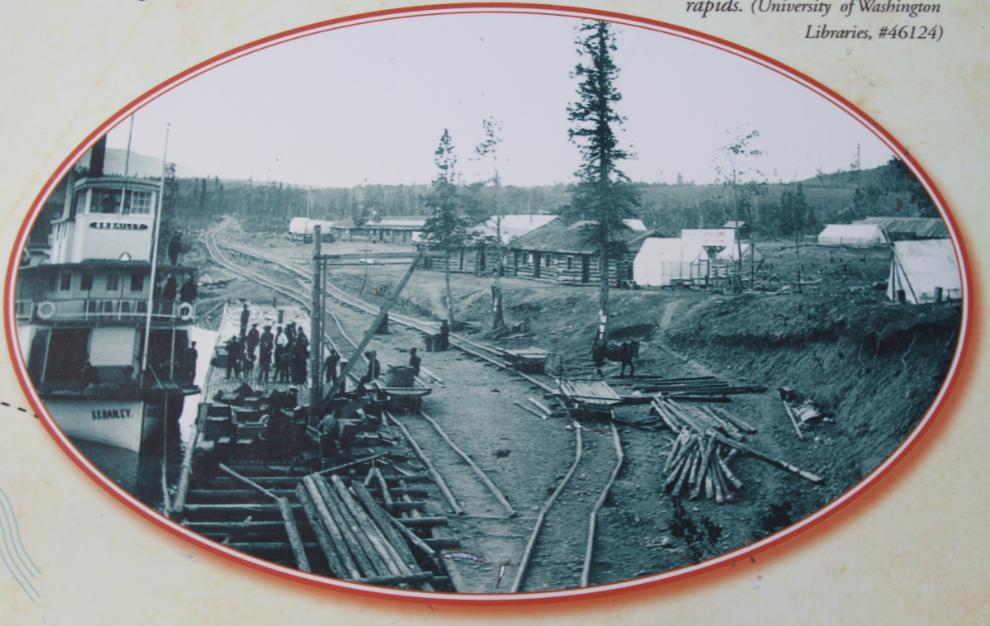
column 333, row 360
column 168, row 291
column 286, row 351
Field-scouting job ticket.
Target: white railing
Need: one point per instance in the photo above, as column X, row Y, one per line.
column 105, row 309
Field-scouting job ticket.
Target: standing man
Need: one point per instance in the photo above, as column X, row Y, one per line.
column 414, row 361
column 245, row 318
column 267, row 342
column 187, row 293
column 374, row 367
column 330, row 367
column 189, row 362
column 252, row 340
column 175, row 249
column 264, row 363
column 170, row 290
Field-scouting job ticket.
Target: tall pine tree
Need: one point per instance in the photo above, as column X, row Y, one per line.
column 604, row 194
column 445, row 228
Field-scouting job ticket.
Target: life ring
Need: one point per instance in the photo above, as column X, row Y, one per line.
column 185, row 311
column 46, row 310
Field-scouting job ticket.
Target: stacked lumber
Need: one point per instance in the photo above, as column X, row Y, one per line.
column 707, row 440
column 694, row 387
column 362, row 542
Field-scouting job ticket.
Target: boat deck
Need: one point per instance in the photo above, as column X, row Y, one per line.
column 230, row 326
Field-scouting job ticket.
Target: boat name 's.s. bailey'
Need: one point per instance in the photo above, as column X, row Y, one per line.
column 112, row 414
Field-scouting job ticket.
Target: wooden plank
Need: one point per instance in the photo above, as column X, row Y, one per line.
column 359, row 545
column 377, row 540
column 383, row 486
column 245, row 507
column 179, row 503
column 790, row 414
column 529, row 410
column 336, row 535
column 322, row 536
column 382, row 519
column 745, row 427
column 293, row 531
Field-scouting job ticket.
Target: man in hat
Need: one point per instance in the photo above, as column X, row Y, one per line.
column 187, row 293
column 374, row 367
column 245, row 318
column 253, row 337
column 414, row 361
column 189, row 363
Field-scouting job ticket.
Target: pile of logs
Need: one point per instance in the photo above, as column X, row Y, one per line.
column 707, row 440
column 362, row 541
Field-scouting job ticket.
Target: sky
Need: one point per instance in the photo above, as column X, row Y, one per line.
column 367, row 104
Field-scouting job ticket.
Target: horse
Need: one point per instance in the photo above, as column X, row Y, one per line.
column 623, row 353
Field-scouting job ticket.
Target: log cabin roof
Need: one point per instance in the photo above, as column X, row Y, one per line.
column 556, row 237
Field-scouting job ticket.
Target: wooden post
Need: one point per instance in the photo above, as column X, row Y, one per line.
column 316, row 331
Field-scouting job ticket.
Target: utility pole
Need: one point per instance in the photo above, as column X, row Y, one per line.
column 316, row 326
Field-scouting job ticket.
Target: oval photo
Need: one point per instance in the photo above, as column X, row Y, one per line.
column 488, row 304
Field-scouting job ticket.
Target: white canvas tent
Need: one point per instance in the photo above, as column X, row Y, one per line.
column 301, row 228
column 854, row 235
column 661, row 260
column 925, row 271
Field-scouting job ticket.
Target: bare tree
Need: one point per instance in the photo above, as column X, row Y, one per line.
column 493, row 137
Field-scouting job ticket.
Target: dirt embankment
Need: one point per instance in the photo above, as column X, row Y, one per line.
column 876, row 367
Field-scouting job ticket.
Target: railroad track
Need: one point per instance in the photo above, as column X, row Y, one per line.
column 559, row 551
column 475, row 349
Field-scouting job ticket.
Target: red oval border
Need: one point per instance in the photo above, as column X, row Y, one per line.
column 525, row 598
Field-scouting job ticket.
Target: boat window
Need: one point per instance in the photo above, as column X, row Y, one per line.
column 87, row 281
column 137, row 282
column 112, row 282
column 105, row 201
column 66, row 282
column 140, row 202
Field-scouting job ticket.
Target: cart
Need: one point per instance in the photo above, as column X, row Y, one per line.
column 408, row 397
column 530, row 360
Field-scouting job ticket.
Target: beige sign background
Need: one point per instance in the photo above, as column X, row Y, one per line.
column 913, row 549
